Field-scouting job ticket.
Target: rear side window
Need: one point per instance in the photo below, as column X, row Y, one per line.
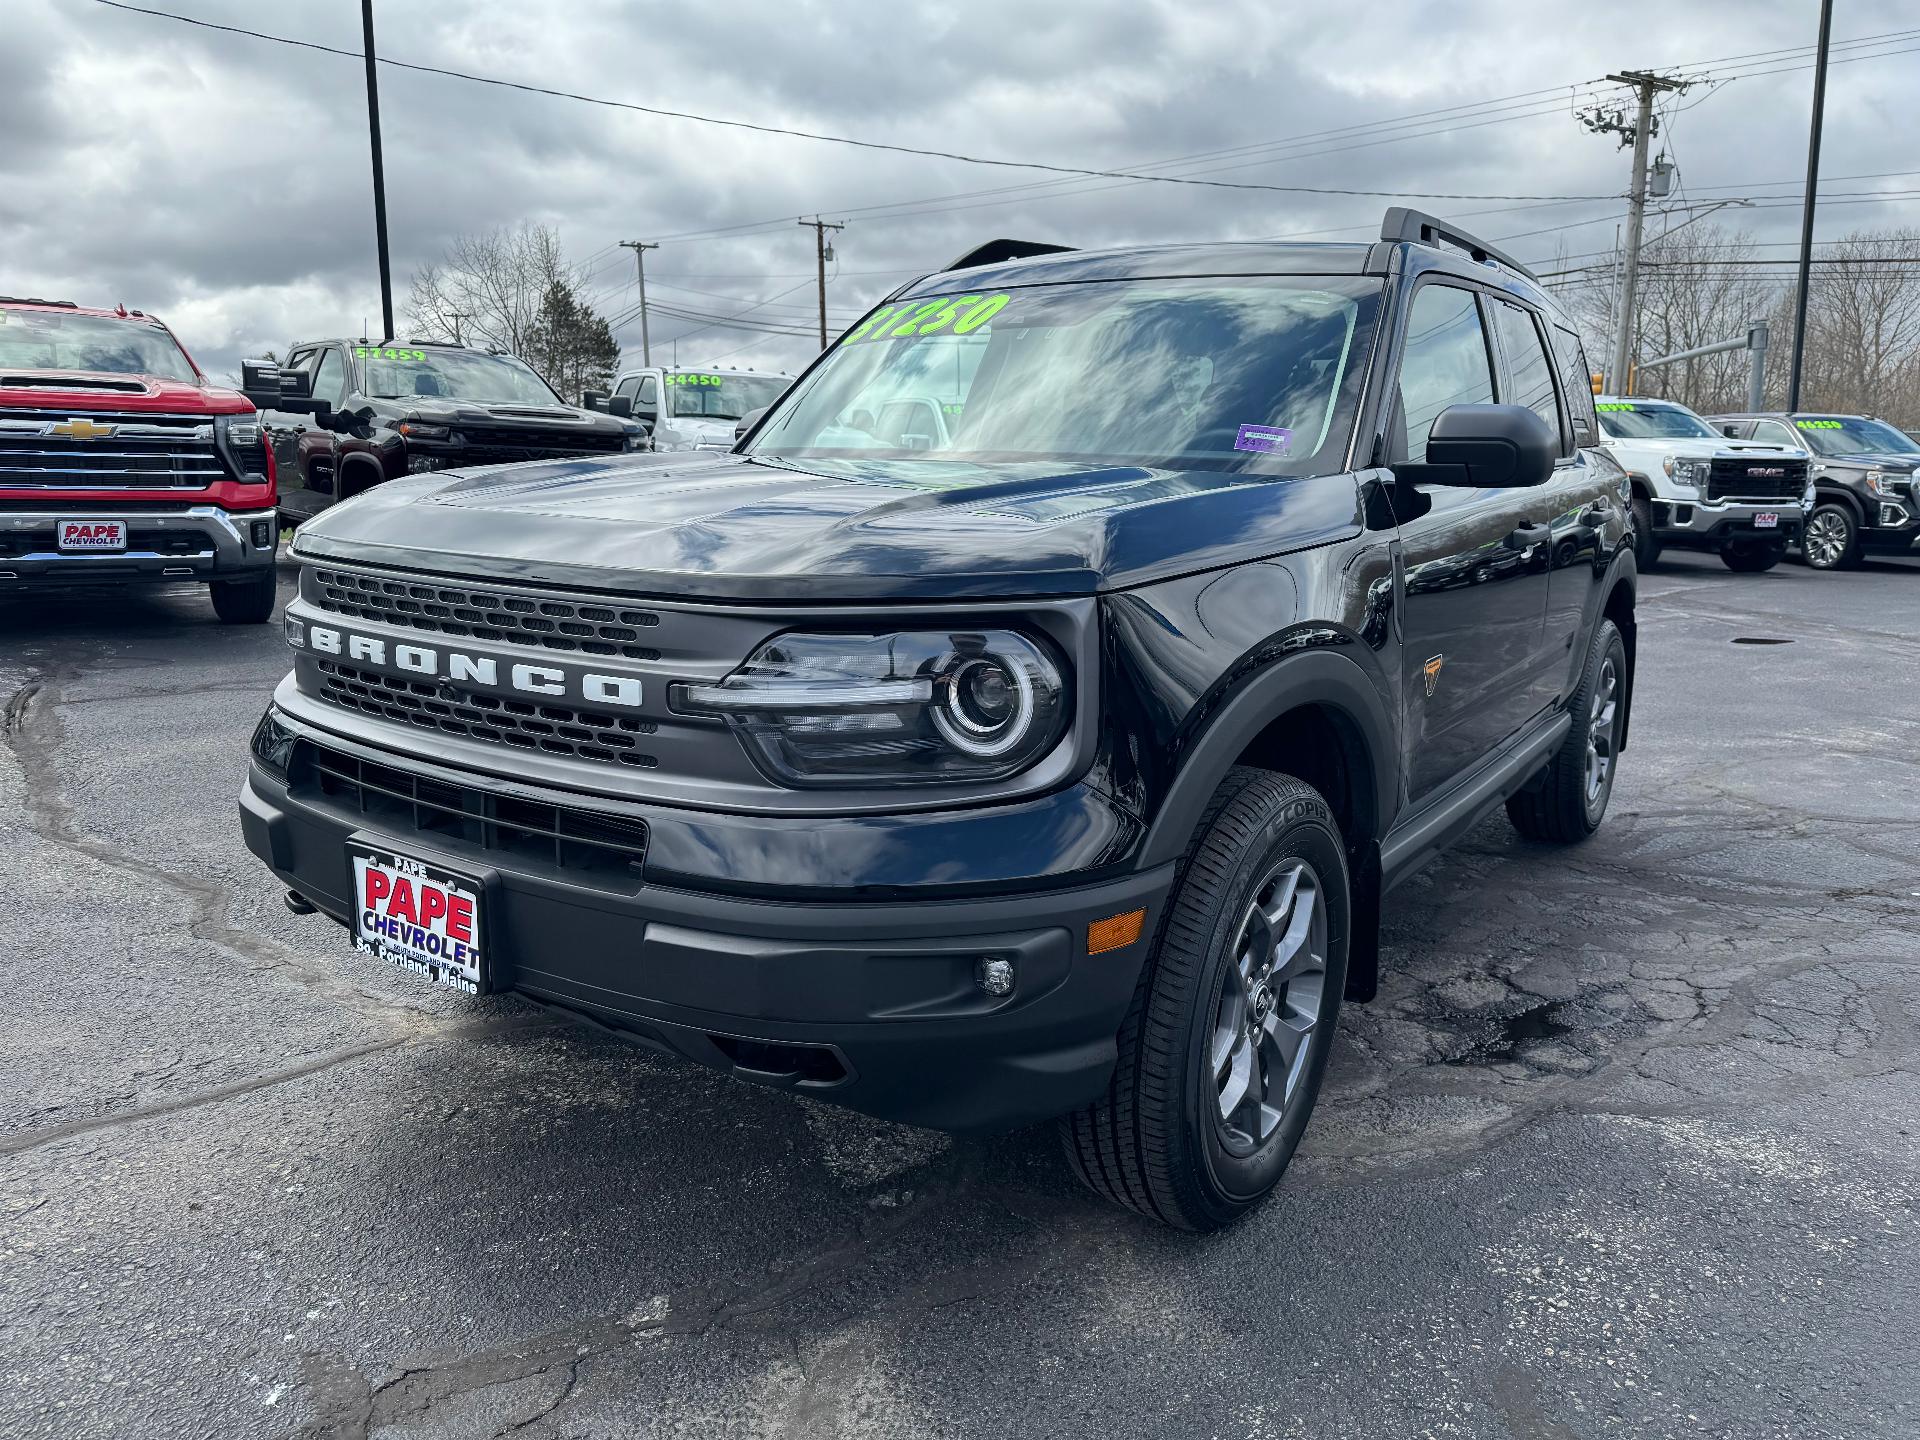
column 1445, row 363
column 1529, row 372
column 1577, row 380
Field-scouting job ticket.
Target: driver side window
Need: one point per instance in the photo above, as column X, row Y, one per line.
column 1774, row 433
column 330, row 380
column 1445, row 363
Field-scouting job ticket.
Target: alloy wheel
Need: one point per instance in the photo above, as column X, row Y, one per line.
column 1601, row 731
column 1272, row 993
column 1826, row 539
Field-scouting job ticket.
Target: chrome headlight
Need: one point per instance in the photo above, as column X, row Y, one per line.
column 906, row 708
column 1685, row 472
column 1876, row 482
column 243, row 433
column 421, row 430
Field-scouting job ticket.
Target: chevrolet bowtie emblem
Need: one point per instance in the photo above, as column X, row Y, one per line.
column 80, row 430
column 1432, row 671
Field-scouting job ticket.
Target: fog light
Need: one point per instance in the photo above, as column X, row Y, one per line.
column 995, row 976
column 263, row 533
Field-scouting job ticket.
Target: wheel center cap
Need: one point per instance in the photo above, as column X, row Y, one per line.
column 1262, row 1003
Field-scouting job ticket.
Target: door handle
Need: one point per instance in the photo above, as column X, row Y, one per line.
column 1528, row 536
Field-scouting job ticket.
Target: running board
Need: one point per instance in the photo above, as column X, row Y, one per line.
column 1422, row 836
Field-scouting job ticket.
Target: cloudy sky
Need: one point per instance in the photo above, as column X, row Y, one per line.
column 222, row 181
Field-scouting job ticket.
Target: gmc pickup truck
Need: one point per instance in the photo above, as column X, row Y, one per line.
column 121, row 464
column 1055, row 769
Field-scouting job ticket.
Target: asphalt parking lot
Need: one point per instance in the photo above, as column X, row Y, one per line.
column 1627, row 1145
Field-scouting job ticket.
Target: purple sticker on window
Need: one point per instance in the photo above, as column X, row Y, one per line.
column 1267, row 439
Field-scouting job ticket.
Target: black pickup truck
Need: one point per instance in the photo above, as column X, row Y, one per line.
column 373, row 413
column 1054, row 767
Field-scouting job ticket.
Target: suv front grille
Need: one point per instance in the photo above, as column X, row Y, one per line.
column 399, row 802
column 1745, row 478
column 554, row 729
column 145, row 452
column 577, row 624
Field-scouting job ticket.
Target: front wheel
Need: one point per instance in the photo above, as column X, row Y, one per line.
column 1570, row 799
column 1832, row 538
column 245, row 602
column 1223, row 1049
column 1750, row 557
column 1646, row 545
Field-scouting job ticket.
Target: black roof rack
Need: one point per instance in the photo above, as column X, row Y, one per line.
column 35, row 300
column 1417, row 228
column 995, row 251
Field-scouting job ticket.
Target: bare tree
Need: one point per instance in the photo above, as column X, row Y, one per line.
column 489, row 288
column 1863, row 327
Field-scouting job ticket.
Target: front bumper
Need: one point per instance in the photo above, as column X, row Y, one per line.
column 1709, row 526
column 873, row 1005
column 187, row 542
column 1892, row 522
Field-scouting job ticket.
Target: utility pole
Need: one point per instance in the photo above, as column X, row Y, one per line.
column 458, row 316
column 379, row 172
column 639, row 249
column 1806, row 208
column 1637, row 133
column 821, row 252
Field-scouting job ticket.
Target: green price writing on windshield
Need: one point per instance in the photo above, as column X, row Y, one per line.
column 963, row 313
column 375, row 352
column 1818, row 424
column 696, row 379
column 1614, row 405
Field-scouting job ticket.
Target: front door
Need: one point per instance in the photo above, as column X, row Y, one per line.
column 1474, row 565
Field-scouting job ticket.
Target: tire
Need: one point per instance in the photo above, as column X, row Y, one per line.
column 1157, row 1142
column 1750, row 557
column 1831, row 540
column 1571, row 799
column 245, row 602
column 1646, row 545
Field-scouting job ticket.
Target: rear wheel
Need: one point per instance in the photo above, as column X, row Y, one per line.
column 1832, row 538
column 1646, row 546
column 245, row 602
column 1231, row 1026
column 1571, row 800
column 1750, row 557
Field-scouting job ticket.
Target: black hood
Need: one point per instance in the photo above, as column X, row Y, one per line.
column 1905, row 464
column 434, row 410
column 736, row 527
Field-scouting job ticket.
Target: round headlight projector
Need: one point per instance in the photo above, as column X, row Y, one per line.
column 985, row 705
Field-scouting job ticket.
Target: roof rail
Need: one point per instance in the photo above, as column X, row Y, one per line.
column 1418, row 228
column 36, row 300
column 995, row 251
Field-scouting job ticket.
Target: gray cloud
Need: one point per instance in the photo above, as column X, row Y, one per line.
column 223, row 182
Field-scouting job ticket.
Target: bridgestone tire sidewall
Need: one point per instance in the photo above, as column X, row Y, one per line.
column 1303, row 829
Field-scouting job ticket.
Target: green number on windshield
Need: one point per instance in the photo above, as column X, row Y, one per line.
column 980, row 314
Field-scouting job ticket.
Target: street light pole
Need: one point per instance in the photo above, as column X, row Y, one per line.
column 1806, row 207
column 379, row 172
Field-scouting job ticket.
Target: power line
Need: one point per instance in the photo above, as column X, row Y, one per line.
column 1076, row 170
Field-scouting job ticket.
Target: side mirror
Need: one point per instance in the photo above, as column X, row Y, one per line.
column 1488, row 447
column 271, row 388
column 592, row 400
column 747, row 422
column 621, row 407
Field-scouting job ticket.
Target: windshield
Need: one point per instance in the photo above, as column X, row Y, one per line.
column 1854, row 435
column 47, row 340
column 1255, row 374
column 402, row 373
column 1625, row 420
column 721, row 397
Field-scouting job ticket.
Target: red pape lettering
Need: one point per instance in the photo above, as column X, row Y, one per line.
column 460, row 919
column 402, row 902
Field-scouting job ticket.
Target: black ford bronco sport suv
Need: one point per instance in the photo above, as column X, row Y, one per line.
column 1056, row 769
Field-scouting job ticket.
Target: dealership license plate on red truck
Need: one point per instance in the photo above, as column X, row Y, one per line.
column 80, row 536
column 422, row 918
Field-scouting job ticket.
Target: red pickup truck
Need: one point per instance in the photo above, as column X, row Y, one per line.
column 121, row 464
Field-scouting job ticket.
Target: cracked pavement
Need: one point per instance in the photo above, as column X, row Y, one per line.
column 1626, row 1145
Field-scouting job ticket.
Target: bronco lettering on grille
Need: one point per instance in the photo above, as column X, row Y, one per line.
column 454, row 666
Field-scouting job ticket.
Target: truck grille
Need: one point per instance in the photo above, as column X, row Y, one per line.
column 143, row 452
column 551, row 622
column 515, row 443
column 1756, row 479
column 397, row 801
column 555, row 729
column 15, row 543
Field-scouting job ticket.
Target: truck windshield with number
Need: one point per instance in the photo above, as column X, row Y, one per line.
column 122, row 464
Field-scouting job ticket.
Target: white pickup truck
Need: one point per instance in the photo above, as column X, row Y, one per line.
column 1696, row 489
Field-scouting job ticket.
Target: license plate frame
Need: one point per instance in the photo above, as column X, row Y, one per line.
column 1767, row 520
column 76, row 537
column 434, row 950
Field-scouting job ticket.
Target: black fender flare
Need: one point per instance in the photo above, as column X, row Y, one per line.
column 1833, row 490
column 354, row 463
column 1313, row 677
